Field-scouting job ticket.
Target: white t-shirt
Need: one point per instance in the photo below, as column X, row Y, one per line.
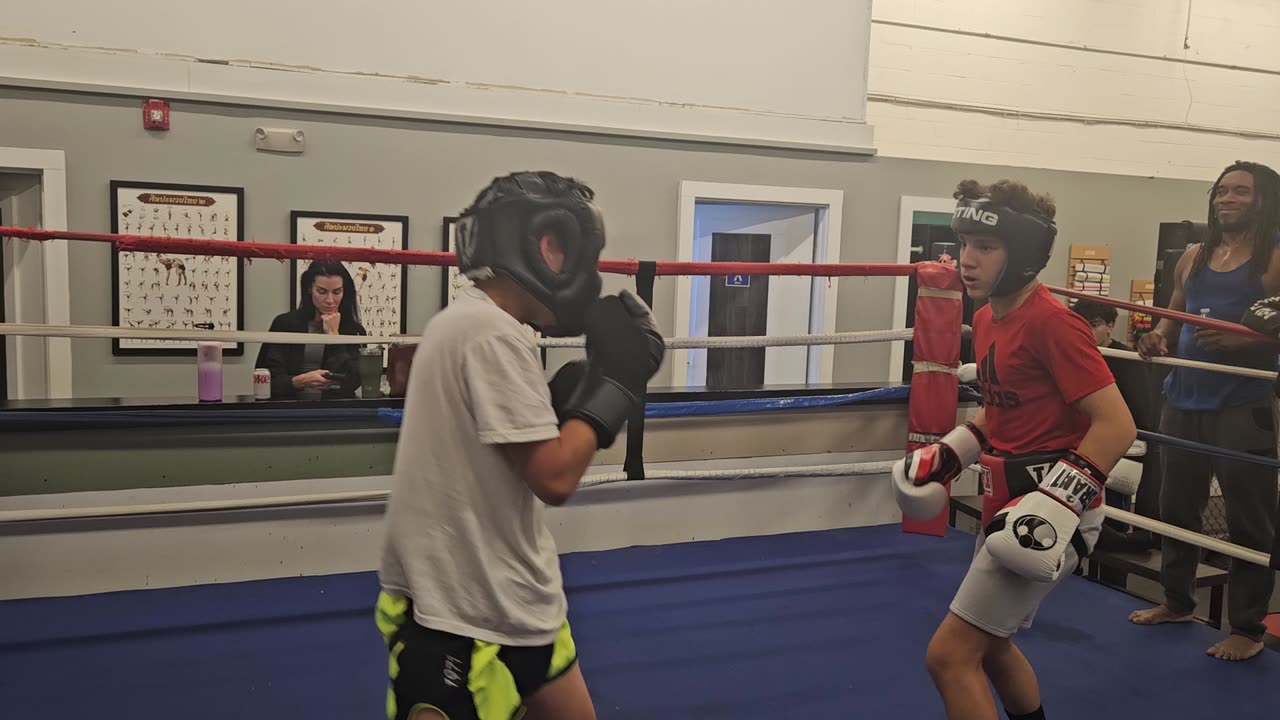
column 465, row 535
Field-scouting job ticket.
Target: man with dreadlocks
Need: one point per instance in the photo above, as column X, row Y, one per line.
column 1236, row 266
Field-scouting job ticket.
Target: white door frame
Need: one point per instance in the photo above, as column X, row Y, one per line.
column 47, row 259
column 826, row 248
column 908, row 206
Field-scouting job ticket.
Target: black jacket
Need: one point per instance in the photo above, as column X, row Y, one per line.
column 285, row 361
column 1134, row 384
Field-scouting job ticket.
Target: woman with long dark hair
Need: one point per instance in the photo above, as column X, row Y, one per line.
column 328, row 306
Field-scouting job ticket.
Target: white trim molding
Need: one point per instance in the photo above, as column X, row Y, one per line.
column 908, row 206
column 51, row 263
column 822, row 313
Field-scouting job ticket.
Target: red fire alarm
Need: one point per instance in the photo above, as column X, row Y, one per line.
column 155, row 115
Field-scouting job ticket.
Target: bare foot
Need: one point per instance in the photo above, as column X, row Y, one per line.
column 1157, row 615
column 1235, row 647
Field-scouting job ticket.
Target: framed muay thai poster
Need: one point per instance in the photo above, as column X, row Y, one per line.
column 380, row 287
column 169, row 291
column 454, row 280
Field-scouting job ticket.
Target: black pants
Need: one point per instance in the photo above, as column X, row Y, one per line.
column 1249, row 492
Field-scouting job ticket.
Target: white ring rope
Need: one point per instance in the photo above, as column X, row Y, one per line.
column 377, row 496
column 684, row 343
column 1181, row 362
column 840, row 470
column 245, row 336
column 380, row 496
column 1195, row 364
column 1213, row 544
column 744, row 341
column 196, row 335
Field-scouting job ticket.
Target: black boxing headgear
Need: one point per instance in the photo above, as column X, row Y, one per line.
column 502, row 229
column 1028, row 239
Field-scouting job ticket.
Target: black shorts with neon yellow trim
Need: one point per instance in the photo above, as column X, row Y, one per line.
column 462, row 678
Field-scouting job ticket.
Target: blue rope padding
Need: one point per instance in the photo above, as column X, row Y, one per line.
column 1159, row 439
column 710, row 408
column 707, row 408
column 1207, row 449
column 15, row 420
column 29, row 420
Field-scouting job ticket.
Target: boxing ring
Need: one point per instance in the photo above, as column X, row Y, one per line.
column 830, row 623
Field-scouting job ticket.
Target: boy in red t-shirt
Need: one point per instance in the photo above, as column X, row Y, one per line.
column 1052, row 426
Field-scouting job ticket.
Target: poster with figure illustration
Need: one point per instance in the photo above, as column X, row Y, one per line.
column 380, row 287
column 455, row 281
column 169, row 291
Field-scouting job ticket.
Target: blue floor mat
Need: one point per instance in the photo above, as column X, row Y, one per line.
column 814, row 625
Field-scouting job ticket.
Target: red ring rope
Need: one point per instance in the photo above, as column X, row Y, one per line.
column 1187, row 318
column 280, row 251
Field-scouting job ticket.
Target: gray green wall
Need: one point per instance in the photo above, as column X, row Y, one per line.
column 429, row 170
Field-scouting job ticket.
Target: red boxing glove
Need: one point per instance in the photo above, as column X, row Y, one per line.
column 943, row 461
column 920, row 477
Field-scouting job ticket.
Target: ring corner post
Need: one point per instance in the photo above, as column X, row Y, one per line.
column 934, row 397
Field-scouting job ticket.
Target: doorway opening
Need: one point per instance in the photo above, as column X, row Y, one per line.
column 36, row 282
column 20, row 207
column 747, row 223
column 924, row 233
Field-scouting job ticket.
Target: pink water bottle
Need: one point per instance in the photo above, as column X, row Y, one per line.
column 209, row 371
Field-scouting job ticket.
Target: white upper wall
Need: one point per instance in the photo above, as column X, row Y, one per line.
column 755, row 71
column 1169, row 88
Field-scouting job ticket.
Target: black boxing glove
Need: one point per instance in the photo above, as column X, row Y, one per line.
column 622, row 340
column 624, row 351
column 565, row 383
column 1264, row 317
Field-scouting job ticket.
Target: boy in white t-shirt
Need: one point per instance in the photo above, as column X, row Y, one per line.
column 472, row 604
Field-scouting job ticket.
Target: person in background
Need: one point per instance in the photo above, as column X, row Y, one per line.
column 1236, row 266
column 1131, row 380
column 314, row 372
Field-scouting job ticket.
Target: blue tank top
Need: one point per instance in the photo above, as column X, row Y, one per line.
column 1221, row 296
